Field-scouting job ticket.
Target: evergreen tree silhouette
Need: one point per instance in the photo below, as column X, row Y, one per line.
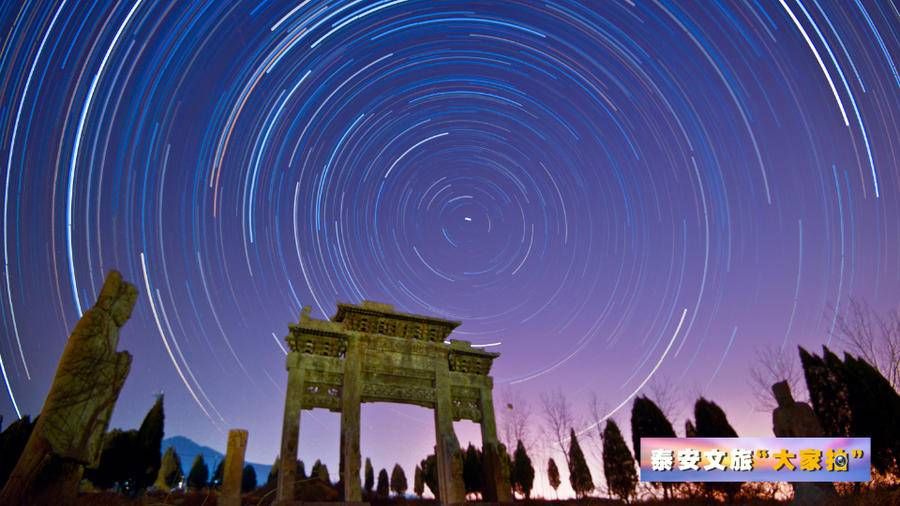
column 522, row 471
column 553, row 476
column 418, row 482
column 647, row 420
column 618, row 463
column 218, row 475
column 398, row 480
column 369, row 483
column 712, row 422
column 248, row 478
column 198, row 476
column 472, row 470
column 272, row 479
column 828, row 392
column 170, row 473
column 429, row 474
column 383, row 489
column 149, row 440
column 579, row 473
column 853, row 398
column 320, row 471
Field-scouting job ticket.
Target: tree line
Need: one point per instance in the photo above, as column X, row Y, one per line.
column 131, row 461
column 849, row 396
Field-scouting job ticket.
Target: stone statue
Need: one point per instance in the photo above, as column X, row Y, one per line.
column 792, row 418
column 797, row 419
column 69, row 433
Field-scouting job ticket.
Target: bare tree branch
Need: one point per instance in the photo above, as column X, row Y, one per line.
column 559, row 419
column 664, row 393
column 515, row 415
column 874, row 337
column 773, row 365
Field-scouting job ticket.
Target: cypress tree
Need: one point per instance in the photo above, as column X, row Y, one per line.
column 398, row 480
column 522, row 471
column 118, row 461
column 827, row 392
column 579, row 473
column 218, row 475
column 876, row 409
column 429, row 474
column 369, row 483
column 248, row 478
column 553, row 476
column 711, row 422
column 618, row 463
column 149, row 440
column 272, row 479
column 647, row 420
column 418, row 482
column 169, row 470
column 689, row 429
column 301, row 470
column 383, row 489
column 198, row 476
column 852, row 398
column 472, row 470
column 320, row 471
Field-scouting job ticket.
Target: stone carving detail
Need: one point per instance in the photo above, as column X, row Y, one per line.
column 381, row 319
column 466, row 409
column 465, row 393
column 375, row 368
column 315, row 344
column 463, row 362
column 381, row 391
column 320, row 395
column 381, row 344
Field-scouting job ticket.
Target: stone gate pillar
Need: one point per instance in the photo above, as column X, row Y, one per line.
column 496, row 472
column 290, row 431
column 449, row 462
column 350, row 400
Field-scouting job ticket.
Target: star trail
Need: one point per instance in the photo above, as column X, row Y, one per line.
column 607, row 193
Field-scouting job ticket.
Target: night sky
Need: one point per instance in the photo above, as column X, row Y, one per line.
column 610, row 194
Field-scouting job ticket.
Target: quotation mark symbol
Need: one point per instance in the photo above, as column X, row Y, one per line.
column 856, row 454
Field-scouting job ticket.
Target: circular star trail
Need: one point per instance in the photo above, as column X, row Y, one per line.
column 606, row 193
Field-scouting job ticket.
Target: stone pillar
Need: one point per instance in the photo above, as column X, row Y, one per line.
column 449, row 462
column 496, row 472
column 233, row 470
column 350, row 393
column 290, row 431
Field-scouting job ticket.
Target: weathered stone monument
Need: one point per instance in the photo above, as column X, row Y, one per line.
column 68, row 435
column 371, row 353
column 233, row 469
column 797, row 419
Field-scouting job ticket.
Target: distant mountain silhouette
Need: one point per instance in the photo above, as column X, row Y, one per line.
column 187, row 450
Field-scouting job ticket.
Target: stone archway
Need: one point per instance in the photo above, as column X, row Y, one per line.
column 371, row 353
